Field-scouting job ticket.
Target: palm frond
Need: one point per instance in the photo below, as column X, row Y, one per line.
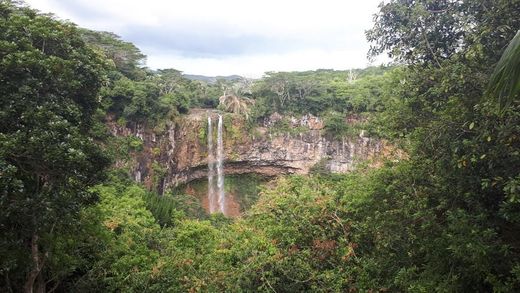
column 505, row 80
column 235, row 104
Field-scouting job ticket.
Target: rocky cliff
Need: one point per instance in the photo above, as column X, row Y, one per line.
column 179, row 153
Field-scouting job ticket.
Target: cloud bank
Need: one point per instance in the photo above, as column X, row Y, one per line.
column 231, row 37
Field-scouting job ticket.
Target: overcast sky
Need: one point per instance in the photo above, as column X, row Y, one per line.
column 223, row 37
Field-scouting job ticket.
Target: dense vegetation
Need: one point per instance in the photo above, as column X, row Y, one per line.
column 446, row 218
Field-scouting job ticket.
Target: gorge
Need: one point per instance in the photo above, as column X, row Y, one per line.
column 190, row 149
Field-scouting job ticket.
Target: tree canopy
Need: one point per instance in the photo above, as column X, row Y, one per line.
column 48, row 159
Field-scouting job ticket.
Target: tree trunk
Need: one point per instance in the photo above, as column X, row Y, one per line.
column 40, row 283
column 36, row 269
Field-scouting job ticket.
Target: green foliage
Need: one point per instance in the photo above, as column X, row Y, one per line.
column 430, row 32
column 159, row 172
column 159, row 96
column 454, row 190
column 320, row 168
column 232, row 128
column 335, row 124
column 135, row 143
column 126, row 57
column 130, row 229
column 314, row 242
column 122, row 148
column 168, row 209
column 199, row 256
column 121, row 122
column 206, row 94
column 284, row 126
column 363, row 231
column 505, row 81
column 48, row 159
column 317, row 92
column 136, row 94
column 156, row 151
column 203, row 134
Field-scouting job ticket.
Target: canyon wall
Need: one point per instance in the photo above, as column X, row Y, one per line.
column 179, row 154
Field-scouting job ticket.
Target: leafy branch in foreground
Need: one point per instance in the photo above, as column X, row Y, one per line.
column 505, row 81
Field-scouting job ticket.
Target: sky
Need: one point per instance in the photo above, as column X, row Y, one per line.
column 224, row 37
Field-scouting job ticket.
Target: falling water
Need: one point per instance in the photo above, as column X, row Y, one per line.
column 220, row 167
column 216, row 195
column 212, row 197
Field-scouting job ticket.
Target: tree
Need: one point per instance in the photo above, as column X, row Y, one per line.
column 175, row 90
column 127, row 58
column 235, row 104
column 169, row 80
column 48, row 95
column 457, row 197
column 430, row 32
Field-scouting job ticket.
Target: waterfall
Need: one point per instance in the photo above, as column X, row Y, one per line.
column 220, row 167
column 212, row 197
column 216, row 198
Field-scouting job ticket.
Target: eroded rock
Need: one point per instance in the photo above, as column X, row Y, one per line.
column 180, row 152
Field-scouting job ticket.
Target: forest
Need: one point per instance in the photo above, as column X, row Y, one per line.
column 445, row 218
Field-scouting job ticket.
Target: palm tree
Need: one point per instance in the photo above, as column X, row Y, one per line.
column 505, row 80
column 235, row 104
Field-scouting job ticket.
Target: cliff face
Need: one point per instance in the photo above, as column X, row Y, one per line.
column 179, row 154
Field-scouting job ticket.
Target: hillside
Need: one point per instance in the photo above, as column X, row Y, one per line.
column 211, row 79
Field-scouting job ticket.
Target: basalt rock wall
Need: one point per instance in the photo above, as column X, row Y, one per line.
column 178, row 154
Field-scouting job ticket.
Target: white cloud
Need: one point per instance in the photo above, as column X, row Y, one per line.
column 304, row 34
column 256, row 65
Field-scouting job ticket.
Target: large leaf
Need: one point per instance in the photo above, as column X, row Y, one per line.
column 505, row 81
